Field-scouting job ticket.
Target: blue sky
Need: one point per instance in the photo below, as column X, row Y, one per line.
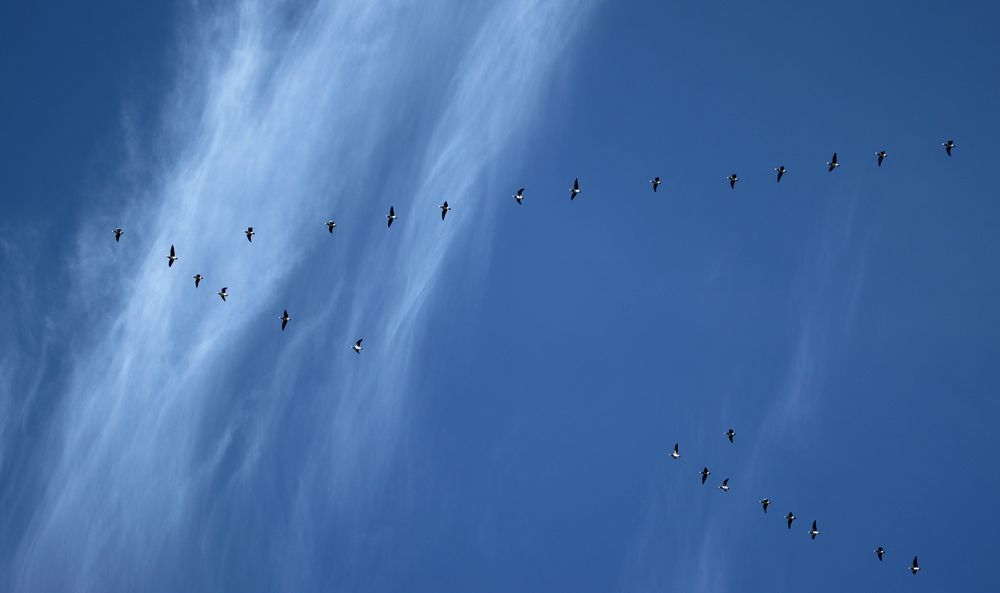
column 526, row 369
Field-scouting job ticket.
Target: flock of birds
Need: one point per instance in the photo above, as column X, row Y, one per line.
column 780, row 171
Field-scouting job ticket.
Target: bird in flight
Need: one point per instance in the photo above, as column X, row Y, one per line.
column 704, row 475
column 519, row 196
column 879, row 551
column 781, row 172
column 224, row 293
column 790, row 517
column 575, row 190
column 249, row 233
column 814, row 531
column 330, row 225
column 881, row 156
column 656, row 182
column 118, row 234
column 730, row 433
column 284, row 319
column 947, row 148
column 197, row 280
column 764, row 503
column 676, row 454
column 172, row 257
column 732, row 180
column 444, row 209
column 725, row 485
column 357, row 346
column 914, row 568
column 832, row 164
column 391, row 216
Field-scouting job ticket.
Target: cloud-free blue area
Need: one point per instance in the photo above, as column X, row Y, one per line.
column 526, row 368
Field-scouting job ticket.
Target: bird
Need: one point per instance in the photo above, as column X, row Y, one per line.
column 730, row 433
column 814, row 531
column 764, row 503
column 357, row 346
column 118, row 234
column 330, row 225
column 249, row 233
column 780, row 171
column 676, row 454
column 656, row 182
column 732, row 180
column 223, row 293
column 444, row 209
column 172, row 257
column 790, row 517
column 881, row 156
column 391, row 216
column 284, row 319
column 575, row 190
column 879, row 551
column 197, row 280
column 519, row 196
column 832, row 164
column 725, row 485
column 914, row 568
column 704, row 475
column 948, row 145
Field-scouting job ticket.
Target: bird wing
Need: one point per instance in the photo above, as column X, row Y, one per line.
column 172, row 252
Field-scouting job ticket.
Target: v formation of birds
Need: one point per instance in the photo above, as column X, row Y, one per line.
column 575, row 190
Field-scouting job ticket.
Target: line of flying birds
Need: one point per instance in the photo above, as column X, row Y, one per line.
column 780, row 171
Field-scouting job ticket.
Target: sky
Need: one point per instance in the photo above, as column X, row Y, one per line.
column 526, row 369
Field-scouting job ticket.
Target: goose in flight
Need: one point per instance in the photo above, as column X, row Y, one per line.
column 880, row 551
column 118, row 234
column 519, row 196
column 575, row 190
column 224, row 293
column 249, row 233
column 832, row 164
column 725, row 485
column 730, row 433
column 656, row 182
column 764, row 504
column 814, row 531
column 391, row 216
column 947, row 148
column 330, row 225
column 914, row 568
column 704, row 475
column 197, row 280
column 284, row 319
column 357, row 346
column 881, row 156
column 444, row 209
column 172, row 257
column 781, row 172
column 676, row 454
column 732, row 180
column 790, row 517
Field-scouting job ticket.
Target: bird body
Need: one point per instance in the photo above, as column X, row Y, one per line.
column 445, row 208
column 284, row 319
column 790, row 517
column 948, row 145
column 519, row 196
column 879, row 551
column 730, row 433
column 704, row 475
column 881, row 156
column 357, row 346
column 118, row 234
column 676, row 452
column 832, row 164
column 330, row 225
column 725, row 485
column 781, row 172
column 914, row 568
column 197, row 280
column 249, row 233
column 732, row 180
column 814, row 531
column 656, row 182
column 575, row 190
column 223, row 293
column 764, row 503
column 172, row 257
column 391, row 216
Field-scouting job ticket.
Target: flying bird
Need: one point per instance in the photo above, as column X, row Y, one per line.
column 790, row 517
column 223, row 293
column 704, row 475
column 519, row 196
column 249, row 233
column 118, row 234
column 444, row 209
column 879, row 551
column 730, row 433
column 813, row 532
column 915, row 568
column 676, row 454
column 391, row 216
column 330, row 225
column 172, row 257
column 575, row 190
column 832, row 164
column 764, row 503
column 725, row 485
column 357, row 346
column 881, row 156
column 947, row 148
column 656, row 182
column 781, row 172
column 732, row 180
column 197, row 280
column 284, row 319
